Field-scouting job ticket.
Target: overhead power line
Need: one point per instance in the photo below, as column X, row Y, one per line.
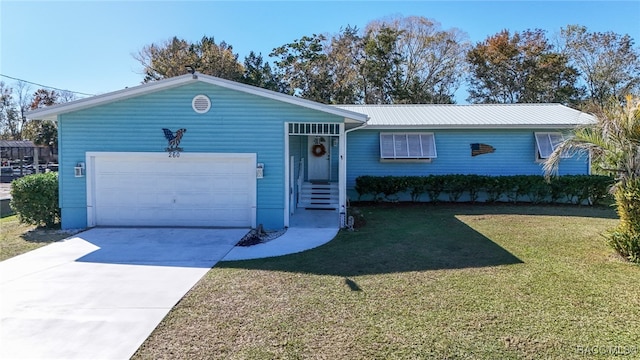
column 45, row 86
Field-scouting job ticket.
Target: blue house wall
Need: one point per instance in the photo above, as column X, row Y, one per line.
column 238, row 122
column 515, row 154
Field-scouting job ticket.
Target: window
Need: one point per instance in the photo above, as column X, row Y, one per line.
column 407, row 146
column 546, row 143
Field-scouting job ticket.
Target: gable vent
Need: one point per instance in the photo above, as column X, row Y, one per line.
column 201, row 104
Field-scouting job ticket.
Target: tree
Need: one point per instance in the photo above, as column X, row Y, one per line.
column 345, row 54
column 23, row 104
column 520, row 68
column 609, row 64
column 45, row 132
column 258, row 73
column 9, row 115
column 303, row 66
column 216, row 59
column 165, row 60
column 43, row 98
column 42, row 132
column 169, row 59
column 430, row 60
column 614, row 147
column 404, row 60
column 381, row 66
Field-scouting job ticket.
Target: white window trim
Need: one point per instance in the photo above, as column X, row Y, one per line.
column 422, row 157
column 538, row 150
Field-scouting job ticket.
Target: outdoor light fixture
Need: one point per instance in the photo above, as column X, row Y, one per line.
column 79, row 169
column 191, row 70
column 260, row 171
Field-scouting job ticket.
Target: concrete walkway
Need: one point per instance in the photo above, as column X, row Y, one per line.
column 309, row 229
column 100, row 294
column 295, row 240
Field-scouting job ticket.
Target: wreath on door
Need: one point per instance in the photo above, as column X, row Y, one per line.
column 318, row 150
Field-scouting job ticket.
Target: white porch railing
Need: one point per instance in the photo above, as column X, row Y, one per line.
column 300, row 180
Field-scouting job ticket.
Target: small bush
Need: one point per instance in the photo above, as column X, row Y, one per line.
column 625, row 239
column 417, row 186
column 626, row 243
column 35, row 199
column 434, row 186
column 454, row 186
column 475, row 184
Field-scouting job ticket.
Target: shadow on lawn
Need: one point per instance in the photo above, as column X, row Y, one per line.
column 45, row 235
column 412, row 238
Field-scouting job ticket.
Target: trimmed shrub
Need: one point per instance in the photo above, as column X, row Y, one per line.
column 576, row 189
column 434, row 186
column 455, row 186
column 390, row 186
column 475, row 184
column 364, row 186
column 35, row 199
column 417, row 186
column 539, row 190
column 496, row 186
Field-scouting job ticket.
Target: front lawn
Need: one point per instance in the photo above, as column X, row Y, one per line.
column 17, row 238
column 422, row 281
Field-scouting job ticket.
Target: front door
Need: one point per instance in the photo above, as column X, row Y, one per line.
column 319, row 164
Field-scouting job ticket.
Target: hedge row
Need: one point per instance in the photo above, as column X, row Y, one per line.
column 576, row 189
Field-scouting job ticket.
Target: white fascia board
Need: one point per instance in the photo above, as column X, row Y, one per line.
column 472, row 127
column 356, row 116
column 51, row 112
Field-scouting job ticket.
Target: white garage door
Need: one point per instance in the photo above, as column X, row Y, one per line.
column 151, row 189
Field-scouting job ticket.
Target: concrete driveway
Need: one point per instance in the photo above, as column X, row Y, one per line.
column 99, row 294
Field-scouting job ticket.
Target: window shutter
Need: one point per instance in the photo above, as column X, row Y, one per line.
column 407, row 146
column 401, row 147
column 428, row 145
column 386, row 146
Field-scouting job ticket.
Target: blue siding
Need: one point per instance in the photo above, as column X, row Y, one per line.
column 514, row 155
column 237, row 123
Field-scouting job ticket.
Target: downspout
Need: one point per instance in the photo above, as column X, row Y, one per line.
column 343, row 205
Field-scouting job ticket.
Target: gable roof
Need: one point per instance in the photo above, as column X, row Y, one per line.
column 51, row 112
column 472, row 116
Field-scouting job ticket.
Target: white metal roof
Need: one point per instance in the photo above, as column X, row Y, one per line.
column 51, row 112
column 472, row 116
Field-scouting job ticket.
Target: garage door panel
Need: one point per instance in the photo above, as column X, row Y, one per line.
column 147, row 190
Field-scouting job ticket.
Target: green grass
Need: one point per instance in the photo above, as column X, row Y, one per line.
column 418, row 282
column 17, row 238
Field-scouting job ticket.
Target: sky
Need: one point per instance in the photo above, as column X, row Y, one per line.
column 88, row 46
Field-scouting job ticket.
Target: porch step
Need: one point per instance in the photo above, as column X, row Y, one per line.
column 317, row 195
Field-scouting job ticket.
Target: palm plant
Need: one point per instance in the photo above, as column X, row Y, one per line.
column 613, row 143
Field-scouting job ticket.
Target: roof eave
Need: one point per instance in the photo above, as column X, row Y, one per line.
column 51, row 112
column 474, row 127
column 348, row 114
